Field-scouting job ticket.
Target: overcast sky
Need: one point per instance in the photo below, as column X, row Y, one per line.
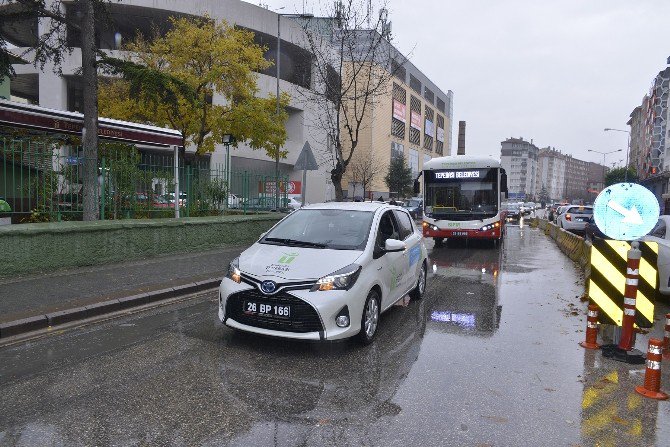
column 556, row 71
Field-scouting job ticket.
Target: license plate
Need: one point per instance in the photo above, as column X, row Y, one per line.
column 580, row 219
column 266, row 309
column 459, row 233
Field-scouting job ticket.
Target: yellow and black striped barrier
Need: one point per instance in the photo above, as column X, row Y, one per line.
column 608, row 280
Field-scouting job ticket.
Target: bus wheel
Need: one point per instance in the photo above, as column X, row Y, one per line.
column 439, row 242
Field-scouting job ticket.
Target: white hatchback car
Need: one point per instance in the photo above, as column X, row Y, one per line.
column 325, row 272
column 661, row 235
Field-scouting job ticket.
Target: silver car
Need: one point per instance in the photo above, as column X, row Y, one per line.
column 574, row 218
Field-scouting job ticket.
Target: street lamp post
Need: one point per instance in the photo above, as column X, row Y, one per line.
column 604, row 154
column 608, row 129
column 277, row 65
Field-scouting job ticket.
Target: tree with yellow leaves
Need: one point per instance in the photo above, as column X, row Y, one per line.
column 209, row 88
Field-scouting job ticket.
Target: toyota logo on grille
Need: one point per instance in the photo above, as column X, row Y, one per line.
column 268, row 287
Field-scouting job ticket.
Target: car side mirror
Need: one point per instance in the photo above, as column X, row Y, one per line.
column 417, row 187
column 394, row 245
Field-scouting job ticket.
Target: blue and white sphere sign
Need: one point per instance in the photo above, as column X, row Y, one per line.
column 626, row 211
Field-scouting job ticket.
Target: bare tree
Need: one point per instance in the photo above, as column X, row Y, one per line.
column 364, row 168
column 353, row 63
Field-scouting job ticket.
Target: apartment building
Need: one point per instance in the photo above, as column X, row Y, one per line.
column 519, row 158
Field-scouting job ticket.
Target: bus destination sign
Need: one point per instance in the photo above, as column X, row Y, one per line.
column 458, row 175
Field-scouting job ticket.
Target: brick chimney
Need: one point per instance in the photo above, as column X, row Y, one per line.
column 461, row 138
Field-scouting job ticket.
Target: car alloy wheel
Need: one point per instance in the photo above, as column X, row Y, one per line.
column 418, row 291
column 370, row 318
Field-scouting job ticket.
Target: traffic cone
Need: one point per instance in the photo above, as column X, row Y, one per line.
column 591, row 328
column 666, row 338
column 652, row 374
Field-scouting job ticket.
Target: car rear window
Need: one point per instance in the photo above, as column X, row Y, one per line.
column 581, row 210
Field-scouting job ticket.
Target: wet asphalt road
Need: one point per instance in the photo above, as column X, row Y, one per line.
column 488, row 358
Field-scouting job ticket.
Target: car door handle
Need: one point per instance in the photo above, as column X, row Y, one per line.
column 379, row 268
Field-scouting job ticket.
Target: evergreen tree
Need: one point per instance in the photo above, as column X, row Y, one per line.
column 399, row 177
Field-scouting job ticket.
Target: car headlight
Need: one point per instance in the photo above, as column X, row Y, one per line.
column 234, row 270
column 342, row 279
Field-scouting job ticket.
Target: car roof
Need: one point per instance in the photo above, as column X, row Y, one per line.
column 351, row 206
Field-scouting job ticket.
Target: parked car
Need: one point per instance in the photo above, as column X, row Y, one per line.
column 560, row 210
column 294, row 203
column 592, row 232
column 661, row 235
column 234, row 201
column 575, row 218
column 414, row 207
column 316, row 274
column 553, row 211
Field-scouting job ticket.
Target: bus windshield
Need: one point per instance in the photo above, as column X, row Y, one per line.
column 462, row 194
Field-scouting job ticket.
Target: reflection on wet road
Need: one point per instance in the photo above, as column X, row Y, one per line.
column 488, row 357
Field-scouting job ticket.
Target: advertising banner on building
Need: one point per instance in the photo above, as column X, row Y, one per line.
column 440, row 135
column 415, row 120
column 268, row 187
column 399, row 111
column 430, row 129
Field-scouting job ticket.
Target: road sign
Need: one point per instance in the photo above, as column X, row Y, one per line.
column 607, row 282
column 306, row 160
column 626, row 211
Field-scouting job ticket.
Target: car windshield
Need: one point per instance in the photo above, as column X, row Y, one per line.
column 331, row 228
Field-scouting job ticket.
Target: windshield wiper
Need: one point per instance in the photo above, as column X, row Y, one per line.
column 295, row 242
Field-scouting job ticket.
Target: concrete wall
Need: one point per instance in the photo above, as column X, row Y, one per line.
column 31, row 248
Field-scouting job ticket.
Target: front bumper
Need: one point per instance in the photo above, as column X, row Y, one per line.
column 325, row 305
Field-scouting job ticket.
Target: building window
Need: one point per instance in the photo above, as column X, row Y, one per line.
column 439, row 137
column 415, row 121
column 397, row 150
column 75, row 94
column 398, row 125
column 429, row 129
column 414, row 84
column 398, row 70
column 414, row 162
column 440, row 105
column 428, row 94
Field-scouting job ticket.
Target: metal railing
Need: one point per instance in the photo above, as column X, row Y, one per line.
column 42, row 181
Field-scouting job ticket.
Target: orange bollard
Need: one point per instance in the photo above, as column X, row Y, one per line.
column 627, row 341
column 652, row 375
column 591, row 328
column 666, row 338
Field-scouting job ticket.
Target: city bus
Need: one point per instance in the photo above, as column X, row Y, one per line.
column 462, row 198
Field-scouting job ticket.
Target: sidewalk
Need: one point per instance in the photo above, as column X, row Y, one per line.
column 28, row 296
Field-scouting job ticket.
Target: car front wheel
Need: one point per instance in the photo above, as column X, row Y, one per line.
column 370, row 318
column 418, row 291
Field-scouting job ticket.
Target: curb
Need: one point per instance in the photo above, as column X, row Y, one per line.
column 30, row 324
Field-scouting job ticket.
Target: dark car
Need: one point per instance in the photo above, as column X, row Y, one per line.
column 415, row 208
column 513, row 211
column 591, row 231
